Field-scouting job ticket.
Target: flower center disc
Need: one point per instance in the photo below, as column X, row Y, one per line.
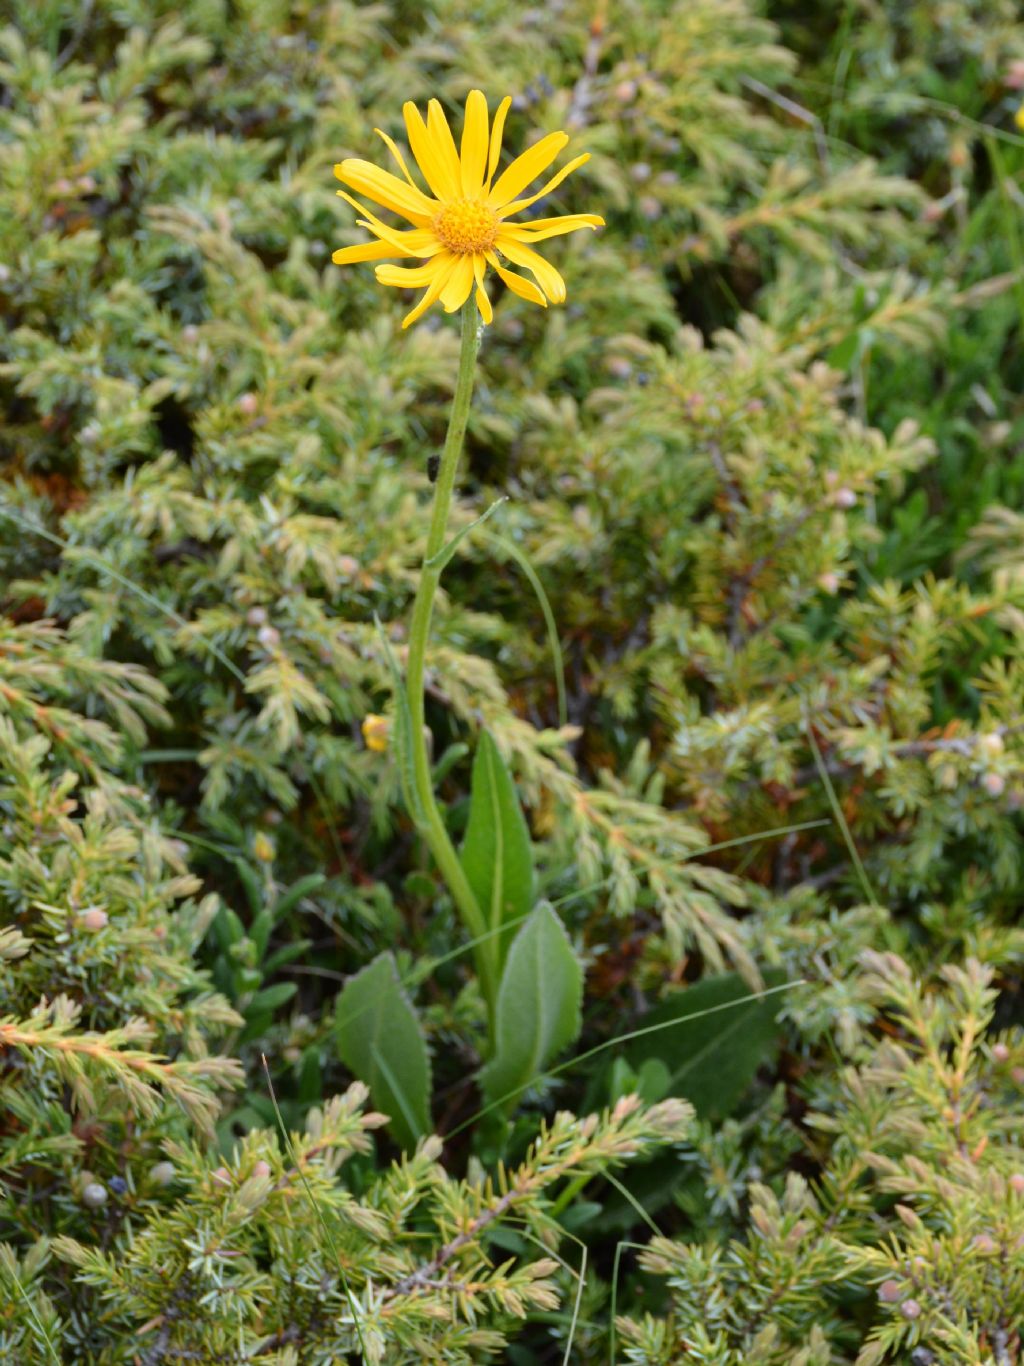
column 464, row 227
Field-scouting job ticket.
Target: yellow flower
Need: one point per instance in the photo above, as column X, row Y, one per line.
column 376, row 730
column 463, row 224
column 1018, row 118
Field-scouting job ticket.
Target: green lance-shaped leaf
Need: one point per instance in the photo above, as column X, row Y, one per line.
column 380, row 1040
column 496, row 855
column 705, row 1044
column 538, row 1011
column 711, row 1058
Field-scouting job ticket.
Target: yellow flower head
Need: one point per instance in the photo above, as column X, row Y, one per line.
column 376, row 733
column 463, row 224
column 1018, row 118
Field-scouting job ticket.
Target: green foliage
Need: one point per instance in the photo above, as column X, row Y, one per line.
column 921, row 1115
column 496, row 854
column 380, row 1040
column 538, row 1013
column 243, row 963
column 709, row 1052
column 765, row 470
column 109, row 1091
column 408, row 1268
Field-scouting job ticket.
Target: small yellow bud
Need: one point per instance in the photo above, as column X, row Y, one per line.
column 376, row 733
column 263, row 847
column 1018, row 118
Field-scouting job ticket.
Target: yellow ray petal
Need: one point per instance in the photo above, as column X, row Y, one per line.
column 497, row 128
column 419, row 242
column 365, row 251
column 555, row 180
column 460, row 282
column 444, row 144
column 526, row 168
column 483, row 303
column 526, row 289
column 412, row 277
column 430, row 295
column 542, row 271
column 474, row 144
column 537, row 229
column 413, row 242
column 390, row 144
column 384, row 188
column 442, row 183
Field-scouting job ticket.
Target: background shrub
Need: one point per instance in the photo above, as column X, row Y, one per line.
column 763, row 471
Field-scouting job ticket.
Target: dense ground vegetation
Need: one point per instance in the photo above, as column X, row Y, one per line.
column 746, row 634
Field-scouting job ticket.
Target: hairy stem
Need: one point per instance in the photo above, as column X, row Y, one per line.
column 432, row 824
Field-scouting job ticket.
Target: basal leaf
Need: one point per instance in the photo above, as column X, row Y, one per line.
column 538, row 1011
column 380, row 1040
column 711, row 1058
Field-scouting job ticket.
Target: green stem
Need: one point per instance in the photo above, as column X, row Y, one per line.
column 570, row 1193
column 433, row 827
